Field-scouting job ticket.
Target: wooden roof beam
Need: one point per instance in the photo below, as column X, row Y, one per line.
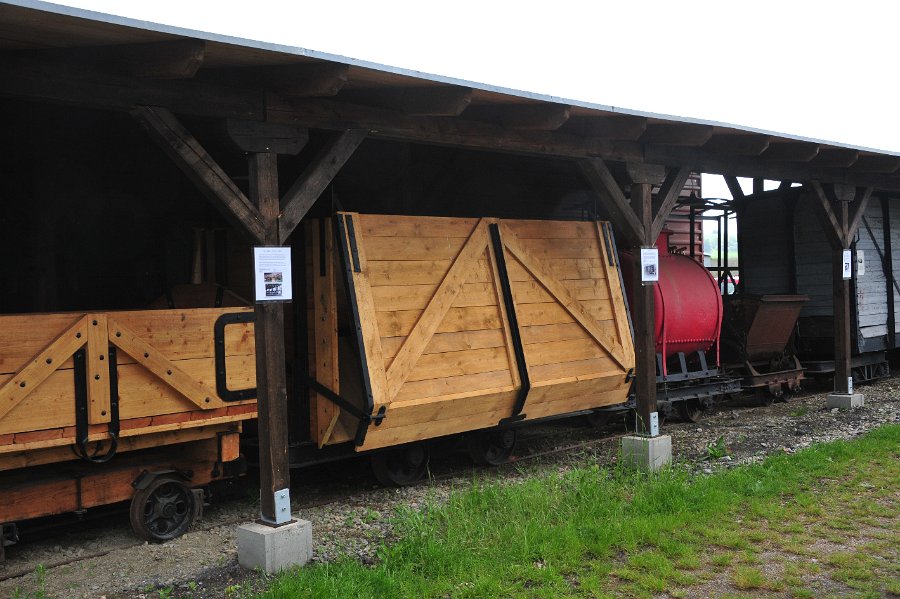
column 299, row 80
column 201, row 169
column 315, row 178
column 601, row 180
column 176, row 59
column 876, row 163
column 534, row 117
column 417, row 101
column 835, row 158
column 35, row 78
column 677, row 134
column 463, row 133
column 619, row 127
column 523, row 117
column 791, row 151
column 738, row 144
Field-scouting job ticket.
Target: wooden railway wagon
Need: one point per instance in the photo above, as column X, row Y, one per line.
column 426, row 327
column 102, row 407
column 784, row 249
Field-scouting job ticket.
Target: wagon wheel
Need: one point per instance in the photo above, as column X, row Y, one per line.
column 764, row 397
column 400, row 466
column 491, row 447
column 597, row 419
column 163, row 510
column 690, row 410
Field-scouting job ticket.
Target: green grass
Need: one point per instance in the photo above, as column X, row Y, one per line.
column 599, row 532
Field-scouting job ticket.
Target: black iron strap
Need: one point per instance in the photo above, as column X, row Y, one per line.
column 518, row 349
column 345, row 233
column 80, row 447
column 222, row 389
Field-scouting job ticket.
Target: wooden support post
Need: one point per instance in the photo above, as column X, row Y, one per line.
column 641, row 221
column 643, row 317
column 271, row 381
column 840, row 225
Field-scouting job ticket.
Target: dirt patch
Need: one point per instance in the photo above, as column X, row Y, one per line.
column 351, row 515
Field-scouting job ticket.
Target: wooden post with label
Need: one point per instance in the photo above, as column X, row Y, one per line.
column 840, row 209
column 641, row 219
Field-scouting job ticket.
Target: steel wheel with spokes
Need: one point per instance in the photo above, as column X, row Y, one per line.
column 400, row 466
column 162, row 510
column 491, row 447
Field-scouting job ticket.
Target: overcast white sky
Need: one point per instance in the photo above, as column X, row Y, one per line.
column 825, row 70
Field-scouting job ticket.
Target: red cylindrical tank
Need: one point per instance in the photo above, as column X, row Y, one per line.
column 688, row 305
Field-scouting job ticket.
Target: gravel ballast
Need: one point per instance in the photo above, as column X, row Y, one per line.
column 351, row 514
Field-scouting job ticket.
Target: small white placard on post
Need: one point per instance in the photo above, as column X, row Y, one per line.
column 654, row 424
column 847, row 267
column 850, row 385
column 272, row 274
column 649, row 266
column 860, row 263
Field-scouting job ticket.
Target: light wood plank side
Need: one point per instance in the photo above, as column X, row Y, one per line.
column 401, row 323
column 449, row 342
column 153, row 360
column 473, row 384
column 415, row 226
column 561, row 293
column 22, row 336
column 614, row 287
column 413, row 248
column 325, row 330
column 459, row 363
column 416, row 297
column 551, row 229
column 97, row 369
column 440, row 304
column 368, row 320
column 35, row 372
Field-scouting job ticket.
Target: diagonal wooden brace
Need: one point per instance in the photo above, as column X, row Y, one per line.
column 153, row 360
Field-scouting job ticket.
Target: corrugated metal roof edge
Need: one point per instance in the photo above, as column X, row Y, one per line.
column 298, row 51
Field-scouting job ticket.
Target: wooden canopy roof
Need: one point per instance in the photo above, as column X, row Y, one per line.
column 59, row 54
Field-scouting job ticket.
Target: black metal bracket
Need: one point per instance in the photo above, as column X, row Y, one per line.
column 513, row 321
column 80, row 447
column 346, row 238
column 348, row 407
column 222, row 389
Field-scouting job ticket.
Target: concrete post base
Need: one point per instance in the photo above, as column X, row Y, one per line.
column 845, row 401
column 273, row 549
column 647, row 453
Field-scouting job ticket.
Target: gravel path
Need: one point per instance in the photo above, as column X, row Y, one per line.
column 351, row 514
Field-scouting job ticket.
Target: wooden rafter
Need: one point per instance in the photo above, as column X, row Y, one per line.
column 539, row 117
column 175, row 59
column 306, row 190
column 791, row 151
column 604, row 184
column 200, row 167
column 294, row 80
column 667, row 197
column 734, row 187
column 857, row 211
column 617, row 127
column 417, row 101
column 277, row 138
column 738, row 144
column 677, row 134
column 831, row 221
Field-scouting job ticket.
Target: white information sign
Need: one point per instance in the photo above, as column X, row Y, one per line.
column 860, row 263
column 847, row 268
column 272, row 273
column 649, row 265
